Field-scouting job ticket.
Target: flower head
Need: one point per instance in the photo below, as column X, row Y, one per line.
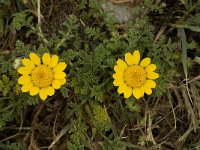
column 135, row 77
column 17, row 63
column 41, row 76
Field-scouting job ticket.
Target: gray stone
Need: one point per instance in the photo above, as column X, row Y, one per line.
column 121, row 13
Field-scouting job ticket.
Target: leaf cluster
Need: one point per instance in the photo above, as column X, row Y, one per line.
column 78, row 137
column 101, row 119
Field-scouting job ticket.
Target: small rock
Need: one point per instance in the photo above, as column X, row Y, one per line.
column 122, row 13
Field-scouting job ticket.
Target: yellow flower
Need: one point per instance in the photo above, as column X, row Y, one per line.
column 41, row 76
column 135, row 77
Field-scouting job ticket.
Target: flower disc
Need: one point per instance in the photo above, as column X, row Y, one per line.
column 134, row 76
column 42, row 76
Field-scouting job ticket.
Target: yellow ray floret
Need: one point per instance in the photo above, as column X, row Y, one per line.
column 134, row 77
column 42, row 76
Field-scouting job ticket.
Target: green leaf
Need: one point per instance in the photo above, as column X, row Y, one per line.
column 197, row 59
column 1, row 25
column 130, row 102
column 184, row 51
column 5, row 2
column 134, row 108
column 192, row 45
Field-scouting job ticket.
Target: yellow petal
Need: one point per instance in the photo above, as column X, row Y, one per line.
column 121, row 88
column 152, row 75
column 56, row 84
column 24, row 79
column 27, row 87
column 60, row 67
column 142, row 92
column 118, row 82
column 129, row 58
column 148, row 91
column 43, row 94
column 138, row 92
column 62, row 81
column 150, row 84
column 118, row 75
column 136, row 57
column 34, row 90
column 121, row 64
column 46, row 58
column 127, row 92
column 53, row 61
column 145, row 62
column 28, row 63
column 59, row 75
column 24, row 70
column 49, row 90
column 35, row 58
column 150, row 68
column 117, row 69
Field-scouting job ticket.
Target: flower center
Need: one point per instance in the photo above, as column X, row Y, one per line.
column 42, row 76
column 135, row 76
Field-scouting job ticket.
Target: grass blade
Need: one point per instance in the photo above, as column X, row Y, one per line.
column 184, row 52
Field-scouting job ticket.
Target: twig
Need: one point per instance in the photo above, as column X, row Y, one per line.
column 54, row 125
column 62, row 41
column 61, row 133
column 38, row 9
column 10, row 137
column 120, row 1
column 184, row 85
column 174, row 114
column 182, row 26
column 40, row 34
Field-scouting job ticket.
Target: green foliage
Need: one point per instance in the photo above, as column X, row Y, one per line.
column 17, row 146
column 5, row 2
column 141, row 141
column 114, row 145
column 101, row 119
column 33, row 100
column 140, row 35
column 153, row 6
column 83, row 4
column 21, row 19
column 132, row 106
column 13, row 146
column 1, row 25
column 93, row 33
column 95, row 7
column 78, row 138
column 192, row 45
column 67, row 33
column 164, row 56
column 13, row 102
column 93, row 70
column 6, row 85
column 65, row 91
column 7, row 76
column 197, row 59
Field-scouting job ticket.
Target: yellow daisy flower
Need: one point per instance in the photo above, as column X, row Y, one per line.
column 134, row 77
column 41, row 76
